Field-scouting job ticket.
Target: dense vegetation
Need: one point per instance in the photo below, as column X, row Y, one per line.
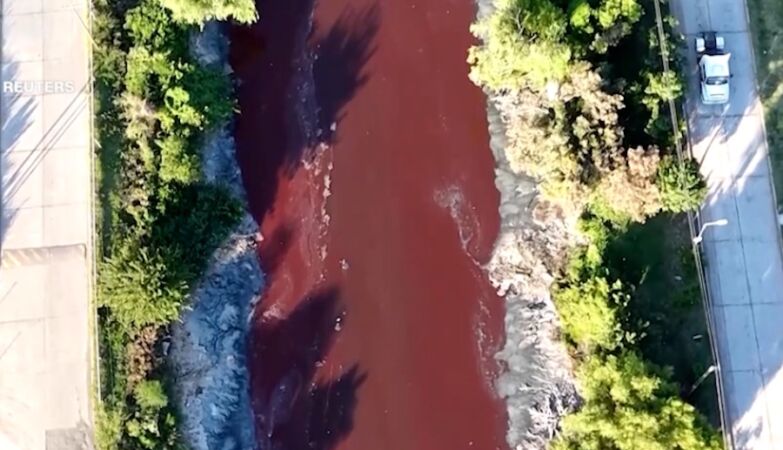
column 582, row 97
column 623, row 330
column 159, row 222
column 581, row 89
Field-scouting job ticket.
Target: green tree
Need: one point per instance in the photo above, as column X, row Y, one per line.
column 200, row 11
column 603, row 24
column 682, row 186
column 629, row 406
column 522, row 46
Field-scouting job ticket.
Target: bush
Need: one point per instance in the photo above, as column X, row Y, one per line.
column 108, row 428
column 682, row 187
column 200, row 11
column 136, row 285
column 150, row 26
column 153, row 425
column 605, row 24
column 177, row 163
column 588, row 310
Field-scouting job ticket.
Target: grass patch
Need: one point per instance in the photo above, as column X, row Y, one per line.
column 766, row 24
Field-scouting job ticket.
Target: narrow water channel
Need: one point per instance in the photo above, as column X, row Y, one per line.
column 364, row 152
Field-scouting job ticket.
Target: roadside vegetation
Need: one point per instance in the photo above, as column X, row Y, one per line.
column 766, row 24
column 158, row 222
column 583, row 94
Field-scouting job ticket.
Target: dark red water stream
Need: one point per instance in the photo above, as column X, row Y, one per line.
column 378, row 326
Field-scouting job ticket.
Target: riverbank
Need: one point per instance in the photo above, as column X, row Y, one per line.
column 537, row 384
column 586, row 237
column 208, row 353
column 170, row 198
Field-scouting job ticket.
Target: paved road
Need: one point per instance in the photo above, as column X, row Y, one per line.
column 743, row 259
column 46, row 223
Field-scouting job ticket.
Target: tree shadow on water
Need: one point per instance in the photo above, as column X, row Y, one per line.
column 342, row 53
column 284, row 114
column 294, row 410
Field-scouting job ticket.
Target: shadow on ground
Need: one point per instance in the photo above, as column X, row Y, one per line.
column 21, row 157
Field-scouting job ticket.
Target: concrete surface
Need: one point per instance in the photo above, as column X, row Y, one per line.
column 45, row 226
column 743, row 260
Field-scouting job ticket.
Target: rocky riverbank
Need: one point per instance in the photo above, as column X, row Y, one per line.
column 537, row 382
column 208, row 346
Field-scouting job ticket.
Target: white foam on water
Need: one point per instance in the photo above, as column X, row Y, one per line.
column 463, row 213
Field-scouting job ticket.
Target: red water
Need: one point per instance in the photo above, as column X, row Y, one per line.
column 377, row 328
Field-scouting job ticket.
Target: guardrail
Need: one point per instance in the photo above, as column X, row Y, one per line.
column 694, row 225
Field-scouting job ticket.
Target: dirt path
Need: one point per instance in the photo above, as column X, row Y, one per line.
column 378, row 326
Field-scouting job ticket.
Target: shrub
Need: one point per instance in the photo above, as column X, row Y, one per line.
column 604, row 24
column 587, row 260
column 149, row 394
column 201, row 11
column 177, row 163
column 150, row 26
column 136, row 285
column 153, row 425
column 588, row 310
column 682, row 187
column 108, row 428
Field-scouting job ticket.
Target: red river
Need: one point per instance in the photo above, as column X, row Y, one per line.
column 378, row 327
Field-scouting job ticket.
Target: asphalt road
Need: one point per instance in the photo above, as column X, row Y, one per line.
column 46, row 226
column 743, row 261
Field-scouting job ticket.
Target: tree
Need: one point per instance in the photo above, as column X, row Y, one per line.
column 604, row 24
column 629, row 406
column 522, row 46
column 627, row 190
column 201, row 11
column 682, row 187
